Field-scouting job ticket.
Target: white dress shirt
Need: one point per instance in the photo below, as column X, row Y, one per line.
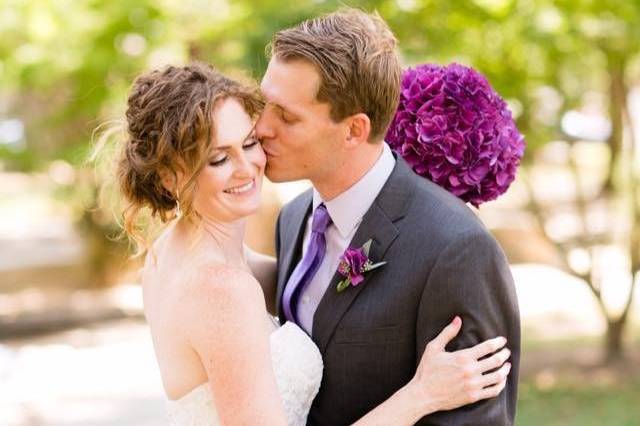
column 346, row 211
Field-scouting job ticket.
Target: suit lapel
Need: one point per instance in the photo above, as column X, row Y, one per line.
column 377, row 225
column 334, row 305
column 292, row 235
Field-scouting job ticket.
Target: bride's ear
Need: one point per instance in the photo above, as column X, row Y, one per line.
column 169, row 180
column 358, row 129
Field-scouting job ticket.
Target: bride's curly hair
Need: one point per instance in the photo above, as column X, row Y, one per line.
column 169, row 132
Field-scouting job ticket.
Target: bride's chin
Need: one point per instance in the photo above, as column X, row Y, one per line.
column 244, row 213
column 232, row 213
column 248, row 209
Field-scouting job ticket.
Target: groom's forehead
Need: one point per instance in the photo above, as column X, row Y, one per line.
column 292, row 103
column 276, row 98
column 288, row 82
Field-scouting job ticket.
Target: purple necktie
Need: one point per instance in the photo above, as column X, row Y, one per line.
column 310, row 263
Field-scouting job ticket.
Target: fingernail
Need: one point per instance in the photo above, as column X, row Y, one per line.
column 457, row 320
column 503, row 340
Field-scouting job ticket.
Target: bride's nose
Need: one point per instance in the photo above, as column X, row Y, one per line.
column 243, row 167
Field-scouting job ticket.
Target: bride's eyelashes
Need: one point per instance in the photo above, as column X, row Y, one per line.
column 252, row 142
column 217, row 162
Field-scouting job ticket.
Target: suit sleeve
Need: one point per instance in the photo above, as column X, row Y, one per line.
column 471, row 278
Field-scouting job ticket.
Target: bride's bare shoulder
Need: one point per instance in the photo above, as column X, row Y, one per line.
column 223, row 287
column 219, row 304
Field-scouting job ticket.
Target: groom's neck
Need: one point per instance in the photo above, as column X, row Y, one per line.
column 347, row 171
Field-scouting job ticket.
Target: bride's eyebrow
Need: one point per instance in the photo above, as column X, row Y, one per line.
column 250, row 135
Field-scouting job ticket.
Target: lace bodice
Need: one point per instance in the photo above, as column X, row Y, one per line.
column 297, row 366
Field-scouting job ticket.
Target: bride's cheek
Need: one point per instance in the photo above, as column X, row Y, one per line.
column 260, row 158
column 216, row 178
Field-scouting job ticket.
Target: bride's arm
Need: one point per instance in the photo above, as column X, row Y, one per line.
column 227, row 327
column 264, row 268
column 445, row 380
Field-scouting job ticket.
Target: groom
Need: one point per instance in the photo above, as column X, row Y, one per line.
column 331, row 90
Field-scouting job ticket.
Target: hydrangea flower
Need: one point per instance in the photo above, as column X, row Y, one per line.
column 454, row 129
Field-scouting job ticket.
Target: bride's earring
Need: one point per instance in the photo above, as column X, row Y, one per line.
column 178, row 210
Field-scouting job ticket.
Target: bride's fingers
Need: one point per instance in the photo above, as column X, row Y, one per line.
column 485, row 348
column 495, row 377
column 494, row 361
column 492, row 391
column 446, row 335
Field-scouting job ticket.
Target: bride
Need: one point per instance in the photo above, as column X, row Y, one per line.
column 191, row 157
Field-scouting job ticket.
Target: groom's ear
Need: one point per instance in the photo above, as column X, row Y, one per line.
column 358, row 129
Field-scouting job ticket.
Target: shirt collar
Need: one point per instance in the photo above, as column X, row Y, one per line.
column 347, row 209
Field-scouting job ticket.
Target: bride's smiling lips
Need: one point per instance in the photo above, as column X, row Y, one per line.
column 241, row 189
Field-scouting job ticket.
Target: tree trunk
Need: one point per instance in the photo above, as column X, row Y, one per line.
column 613, row 340
column 617, row 100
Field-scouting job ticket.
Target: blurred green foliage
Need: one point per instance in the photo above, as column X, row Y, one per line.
column 65, row 66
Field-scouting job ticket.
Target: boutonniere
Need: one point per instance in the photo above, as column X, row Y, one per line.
column 354, row 263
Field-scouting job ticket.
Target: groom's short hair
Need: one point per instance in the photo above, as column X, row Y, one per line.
column 355, row 55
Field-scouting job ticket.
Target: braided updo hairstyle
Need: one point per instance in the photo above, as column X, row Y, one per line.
column 170, row 130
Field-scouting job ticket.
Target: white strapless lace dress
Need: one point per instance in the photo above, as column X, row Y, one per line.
column 297, row 365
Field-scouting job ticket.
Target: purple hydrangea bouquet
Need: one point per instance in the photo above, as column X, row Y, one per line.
column 454, row 129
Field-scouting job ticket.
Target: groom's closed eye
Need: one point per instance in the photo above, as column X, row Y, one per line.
column 284, row 114
column 287, row 117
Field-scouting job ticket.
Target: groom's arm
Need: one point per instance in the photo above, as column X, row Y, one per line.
column 263, row 268
column 471, row 278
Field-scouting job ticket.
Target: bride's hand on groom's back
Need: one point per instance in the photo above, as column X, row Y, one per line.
column 447, row 380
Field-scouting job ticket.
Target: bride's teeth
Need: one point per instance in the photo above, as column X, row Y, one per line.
column 241, row 189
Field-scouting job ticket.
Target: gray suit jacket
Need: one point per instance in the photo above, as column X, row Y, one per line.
column 442, row 262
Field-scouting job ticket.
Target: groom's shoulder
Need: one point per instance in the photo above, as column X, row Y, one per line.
column 439, row 213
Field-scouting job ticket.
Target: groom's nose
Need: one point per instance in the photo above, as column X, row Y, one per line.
column 264, row 127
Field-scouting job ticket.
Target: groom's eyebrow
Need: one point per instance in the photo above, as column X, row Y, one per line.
column 282, row 107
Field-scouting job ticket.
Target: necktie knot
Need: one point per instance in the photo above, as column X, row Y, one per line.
column 321, row 219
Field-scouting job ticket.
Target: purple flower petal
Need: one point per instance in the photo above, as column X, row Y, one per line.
column 454, row 129
column 356, row 279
